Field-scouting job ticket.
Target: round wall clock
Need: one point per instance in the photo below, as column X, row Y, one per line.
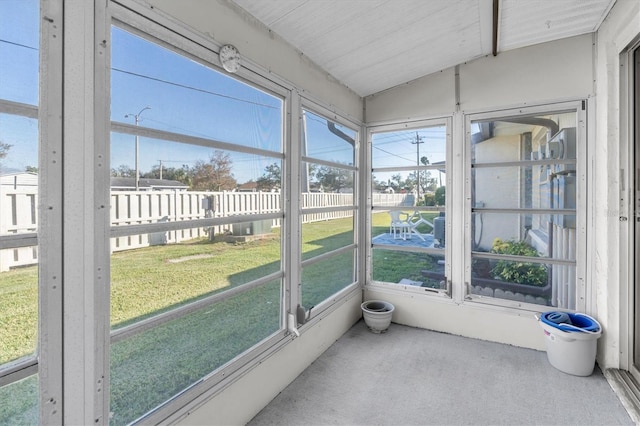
column 230, row 58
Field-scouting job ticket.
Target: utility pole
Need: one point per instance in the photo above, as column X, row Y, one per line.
column 417, row 143
column 137, row 118
column 160, row 169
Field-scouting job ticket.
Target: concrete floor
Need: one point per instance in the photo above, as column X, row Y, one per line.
column 410, row 376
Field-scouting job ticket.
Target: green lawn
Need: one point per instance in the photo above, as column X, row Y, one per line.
column 150, row 367
column 392, row 266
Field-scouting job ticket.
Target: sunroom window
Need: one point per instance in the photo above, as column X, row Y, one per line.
column 19, row 200
column 525, row 180
column 408, row 196
column 328, row 205
column 196, row 213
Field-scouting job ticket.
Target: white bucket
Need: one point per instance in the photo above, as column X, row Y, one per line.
column 572, row 352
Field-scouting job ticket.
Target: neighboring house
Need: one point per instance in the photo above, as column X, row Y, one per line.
column 248, row 187
column 20, row 179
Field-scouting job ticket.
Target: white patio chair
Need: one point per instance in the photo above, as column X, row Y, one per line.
column 400, row 226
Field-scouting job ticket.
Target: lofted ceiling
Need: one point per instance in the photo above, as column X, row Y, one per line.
column 372, row 45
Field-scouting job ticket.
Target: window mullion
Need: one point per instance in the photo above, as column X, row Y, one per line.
column 50, row 217
column 292, row 222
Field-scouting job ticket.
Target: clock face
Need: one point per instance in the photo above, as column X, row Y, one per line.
column 230, row 58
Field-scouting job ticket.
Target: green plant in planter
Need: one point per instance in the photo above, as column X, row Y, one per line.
column 518, row 272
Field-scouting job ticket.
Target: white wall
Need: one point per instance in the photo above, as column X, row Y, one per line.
column 432, row 95
column 610, row 155
column 228, row 24
column 554, row 71
column 549, row 71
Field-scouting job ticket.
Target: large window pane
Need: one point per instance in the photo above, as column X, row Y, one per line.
column 328, row 200
column 409, row 197
column 19, row 87
column 524, row 192
column 188, row 145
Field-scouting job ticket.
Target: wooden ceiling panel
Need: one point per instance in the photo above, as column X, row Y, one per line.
column 372, row 45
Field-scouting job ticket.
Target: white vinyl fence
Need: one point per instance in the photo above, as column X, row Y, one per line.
column 18, row 214
column 142, row 207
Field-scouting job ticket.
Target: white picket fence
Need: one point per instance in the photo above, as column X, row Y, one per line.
column 18, row 214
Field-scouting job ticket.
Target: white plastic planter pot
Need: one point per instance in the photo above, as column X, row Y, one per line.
column 571, row 341
column 377, row 315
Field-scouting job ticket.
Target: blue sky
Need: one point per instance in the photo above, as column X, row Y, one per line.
column 185, row 97
column 19, row 26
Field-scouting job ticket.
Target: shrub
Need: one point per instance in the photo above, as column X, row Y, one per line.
column 440, row 196
column 515, row 271
column 429, row 199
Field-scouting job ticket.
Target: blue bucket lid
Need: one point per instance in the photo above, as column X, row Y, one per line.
column 574, row 322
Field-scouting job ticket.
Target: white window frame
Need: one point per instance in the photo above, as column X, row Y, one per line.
column 317, row 107
column 46, row 362
column 580, row 108
column 450, row 180
column 185, row 42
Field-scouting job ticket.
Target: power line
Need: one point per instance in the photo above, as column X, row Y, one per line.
column 391, row 153
column 17, row 44
column 196, row 89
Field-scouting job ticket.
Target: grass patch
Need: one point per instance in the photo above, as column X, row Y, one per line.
column 391, row 266
column 151, row 367
column 144, row 282
column 18, row 313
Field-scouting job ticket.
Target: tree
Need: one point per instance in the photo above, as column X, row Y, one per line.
column 182, row 174
column 4, row 148
column 378, row 185
column 333, row 179
column 214, row 175
column 271, row 179
column 31, row 169
column 123, row 171
column 427, row 183
column 396, row 182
